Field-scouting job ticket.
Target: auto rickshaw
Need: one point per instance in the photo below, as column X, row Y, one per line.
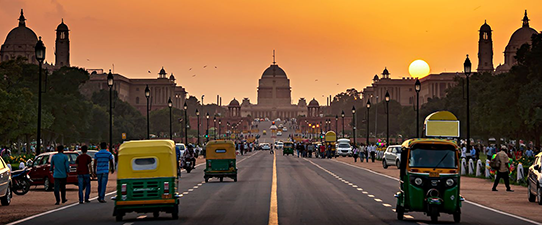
column 147, row 178
column 220, row 160
column 329, row 142
column 288, row 148
column 429, row 170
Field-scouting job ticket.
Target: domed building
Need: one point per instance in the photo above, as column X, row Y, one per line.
column 21, row 41
column 519, row 37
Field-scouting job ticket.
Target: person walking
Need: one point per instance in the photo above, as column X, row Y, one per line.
column 60, row 168
column 503, row 171
column 83, row 162
column 373, row 153
column 355, row 153
column 103, row 160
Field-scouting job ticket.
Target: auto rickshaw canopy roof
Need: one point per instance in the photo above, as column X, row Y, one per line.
column 441, row 124
column 220, row 149
column 158, row 157
column 331, row 136
column 411, row 142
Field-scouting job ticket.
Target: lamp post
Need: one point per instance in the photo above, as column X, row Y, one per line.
column 310, row 131
column 336, row 122
column 197, row 115
column 318, row 128
column 40, row 56
column 354, row 121
column 418, row 87
column 467, row 66
column 387, row 98
column 228, row 128
column 219, row 125
column 185, row 107
column 207, row 131
column 170, row 105
column 110, row 84
column 214, row 120
column 342, row 115
column 148, row 95
column 368, row 107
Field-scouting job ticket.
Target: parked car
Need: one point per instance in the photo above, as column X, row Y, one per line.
column 181, row 147
column 284, row 129
column 5, row 183
column 343, row 147
column 265, row 146
column 90, row 153
column 534, row 180
column 42, row 175
column 392, row 156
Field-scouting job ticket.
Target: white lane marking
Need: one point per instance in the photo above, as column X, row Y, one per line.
column 408, row 216
column 364, row 192
column 354, row 186
column 371, row 196
column 141, row 217
column 190, row 189
column 195, row 187
column 185, row 193
column 387, row 205
column 127, row 223
column 200, row 184
column 378, row 200
column 466, row 201
column 360, row 189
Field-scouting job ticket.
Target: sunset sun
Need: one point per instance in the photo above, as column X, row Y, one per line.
column 419, row 69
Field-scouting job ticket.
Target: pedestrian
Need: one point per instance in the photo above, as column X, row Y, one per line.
column 503, row 170
column 473, row 153
column 373, row 153
column 367, row 152
column 103, row 161
column 83, row 162
column 355, row 153
column 60, row 168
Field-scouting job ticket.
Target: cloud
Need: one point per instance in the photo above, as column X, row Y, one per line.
column 58, row 11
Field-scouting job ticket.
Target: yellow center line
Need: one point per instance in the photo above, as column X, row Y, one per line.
column 273, row 208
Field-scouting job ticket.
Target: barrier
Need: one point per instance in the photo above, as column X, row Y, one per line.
column 471, row 167
column 487, row 172
column 463, row 166
column 479, row 168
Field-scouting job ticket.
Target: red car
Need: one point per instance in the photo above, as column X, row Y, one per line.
column 41, row 173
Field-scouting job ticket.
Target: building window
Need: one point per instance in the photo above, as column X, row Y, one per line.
column 62, row 35
column 485, row 36
column 137, row 100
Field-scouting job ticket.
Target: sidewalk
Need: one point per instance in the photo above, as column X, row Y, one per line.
column 475, row 190
column 37, row 200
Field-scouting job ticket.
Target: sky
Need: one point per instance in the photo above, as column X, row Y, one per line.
column 324, row 46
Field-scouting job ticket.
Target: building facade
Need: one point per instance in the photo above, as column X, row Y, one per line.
column 519, row 37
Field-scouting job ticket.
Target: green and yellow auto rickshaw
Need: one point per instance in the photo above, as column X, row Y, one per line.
column 288, row 148
column 429, row 171
column 220, row 160
column 147, row 178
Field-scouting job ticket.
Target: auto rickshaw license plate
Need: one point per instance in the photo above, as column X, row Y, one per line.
column 434, row 174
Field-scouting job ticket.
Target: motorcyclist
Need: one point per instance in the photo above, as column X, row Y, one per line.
column 189, row 156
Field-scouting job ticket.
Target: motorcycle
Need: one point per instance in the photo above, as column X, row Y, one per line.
column 188, row 166
column 21, row 181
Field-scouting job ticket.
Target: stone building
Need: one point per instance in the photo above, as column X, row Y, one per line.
column 21, row 41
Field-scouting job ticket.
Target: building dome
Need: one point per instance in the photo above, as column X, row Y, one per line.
column 62, row 27
column 485, row 27
column 521, row 36
column 274, row 71
column 375, row 78
column 172, row 77
column 234, row 102
column 313, row 102
column 21, row 35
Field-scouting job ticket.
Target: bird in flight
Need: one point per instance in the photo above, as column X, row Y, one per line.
column 149, row 71
column 190, row 68
column 316, row 80
column 205, row 66
column 216, row 67
column 194, row 75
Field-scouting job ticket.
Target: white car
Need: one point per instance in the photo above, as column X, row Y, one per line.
column 181, row 147
column 279, row 145
column 343, row 147
column 392, row 156
column 284, row 129
column 279, row 133
column 265, row 146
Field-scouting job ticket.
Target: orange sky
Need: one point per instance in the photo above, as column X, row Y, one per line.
column 341, row 43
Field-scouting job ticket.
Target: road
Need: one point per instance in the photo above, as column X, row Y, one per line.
column 308, row 191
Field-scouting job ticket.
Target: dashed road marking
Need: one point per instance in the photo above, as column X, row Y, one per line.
column 371, row 196
column 364, row 192
column 360, row 189
column 185, row 193
column 386, row 205
column 409, row 216
column 141, row 217
column 190, row 189
column 378, row 200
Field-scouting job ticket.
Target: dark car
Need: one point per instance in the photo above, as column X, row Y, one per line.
column 534, row 180
column 5, row 183
column 41, row 174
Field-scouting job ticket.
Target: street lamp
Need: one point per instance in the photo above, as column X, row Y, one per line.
column 219, row 125
column 354, row 120
column 368, row 107
column 418, row 87
column 110, row 84
column 148, row 95
column 467, row 66
column 185, row 107
column 207, row 131
column 387, row 98
column 40, row 56
column 214, row 120
column 197, row 115
column 228, row 129
column 336, row 122
column 170, row 105
column 342, row 115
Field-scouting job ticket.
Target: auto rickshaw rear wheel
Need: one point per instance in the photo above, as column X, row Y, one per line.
column 400, row 212
column 221, row 178
column 206, row 179
column 155, row 214
column 457, row 216
column 434, row 214
column 235, row 178
column 175, row 212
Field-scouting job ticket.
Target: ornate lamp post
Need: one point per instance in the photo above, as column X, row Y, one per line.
column 185, row 107
column 219, row 125
column 148, row 95
column 207, row 131
column 418, row 87
column 342, row 115
column 110, row 84
column 40, row 56
column 170, row 105
column 368, row 107
column 197, row 115
column 467, row 66
column 387, row 98
column 354, row 121
column 214, row 120
column 228, row 129
column 336, row 123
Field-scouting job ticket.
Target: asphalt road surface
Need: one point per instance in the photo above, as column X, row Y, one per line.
column 308, row 191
